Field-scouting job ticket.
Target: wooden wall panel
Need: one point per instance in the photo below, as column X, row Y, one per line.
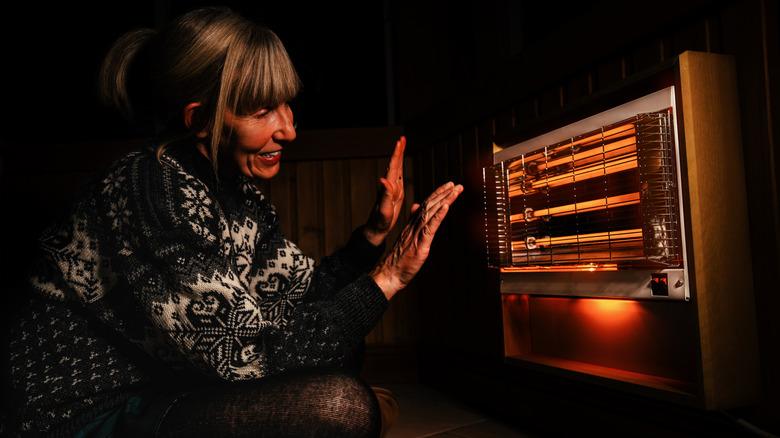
column 505, row 119
column 406, row 321
column 646, row 55
column 309, row 208
column 578, row 87
column 693, row 36
column 609, row 72
column 331, row 199
column 284, row 196
column 550, row 100
column 748, row 30
column 337, row 204
column 363, row 177
column 526, row 110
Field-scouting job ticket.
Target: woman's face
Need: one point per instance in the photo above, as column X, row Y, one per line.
column 255, row 144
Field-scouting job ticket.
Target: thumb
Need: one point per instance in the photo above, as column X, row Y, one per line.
column 415, row 206
column 384, row 186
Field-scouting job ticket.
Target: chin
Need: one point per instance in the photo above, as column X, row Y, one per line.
column 266, row 173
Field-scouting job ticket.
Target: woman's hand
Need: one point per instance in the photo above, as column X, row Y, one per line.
column 390, row 198
column 411, row 249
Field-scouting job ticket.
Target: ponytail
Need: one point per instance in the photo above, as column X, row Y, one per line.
column 115, row 78
column 212, row 56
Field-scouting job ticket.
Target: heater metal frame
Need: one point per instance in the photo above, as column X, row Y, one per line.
column 633, row 283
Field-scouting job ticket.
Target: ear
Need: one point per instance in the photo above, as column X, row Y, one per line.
column 190, row 114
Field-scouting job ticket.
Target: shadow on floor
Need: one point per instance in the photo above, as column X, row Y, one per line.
column 425, row 412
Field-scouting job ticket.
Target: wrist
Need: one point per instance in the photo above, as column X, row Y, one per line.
column 374, row 237
column 387, row 283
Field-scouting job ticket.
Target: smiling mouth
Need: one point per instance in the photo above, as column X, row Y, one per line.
column 270, row 154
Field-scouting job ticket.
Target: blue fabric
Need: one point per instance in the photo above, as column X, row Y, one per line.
column 105, row 424
column 140, row 415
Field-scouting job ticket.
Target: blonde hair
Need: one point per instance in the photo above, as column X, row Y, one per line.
column 212, row 56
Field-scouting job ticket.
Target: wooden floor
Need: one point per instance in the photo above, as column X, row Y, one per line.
column 559, row 408
column 425, row 412
column 429, row 413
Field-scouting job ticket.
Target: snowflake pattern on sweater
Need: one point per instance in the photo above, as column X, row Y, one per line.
column 161, row 267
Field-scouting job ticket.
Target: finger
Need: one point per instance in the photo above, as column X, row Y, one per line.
column 425, row 236
column 436, row 197
column 400, row 163
column 430, row 210
column 397, row 157
column 439, row 193
column 415, row 206
column 428, row 229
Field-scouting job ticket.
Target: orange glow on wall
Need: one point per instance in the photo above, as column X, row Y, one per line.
column 649, row 337
column 609, row 314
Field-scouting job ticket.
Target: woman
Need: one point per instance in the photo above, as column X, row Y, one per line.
column 168, row 302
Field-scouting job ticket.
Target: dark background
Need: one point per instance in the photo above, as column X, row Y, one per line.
column 438, row 70
column 54, row 52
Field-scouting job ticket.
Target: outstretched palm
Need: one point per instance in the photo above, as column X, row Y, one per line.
column 390, row 197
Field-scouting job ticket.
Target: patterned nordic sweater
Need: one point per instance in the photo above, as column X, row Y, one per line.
column 161, row 273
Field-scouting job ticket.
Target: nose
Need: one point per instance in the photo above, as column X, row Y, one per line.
column 286, row 128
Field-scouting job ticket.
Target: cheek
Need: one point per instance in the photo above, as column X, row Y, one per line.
column 252, row 139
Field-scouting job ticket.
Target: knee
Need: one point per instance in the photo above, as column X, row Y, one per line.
column 346, row 407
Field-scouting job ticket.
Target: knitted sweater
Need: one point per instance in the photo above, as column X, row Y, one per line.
column 162, row 272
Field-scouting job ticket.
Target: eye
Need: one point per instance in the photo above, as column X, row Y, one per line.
column 261, row 113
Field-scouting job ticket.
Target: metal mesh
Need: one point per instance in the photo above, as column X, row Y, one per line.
column 604, row 197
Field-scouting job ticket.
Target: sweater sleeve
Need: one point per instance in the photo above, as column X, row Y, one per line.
column 345, row 265
column 194, row 295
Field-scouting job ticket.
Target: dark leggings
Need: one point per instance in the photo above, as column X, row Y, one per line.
column 312, row 403
column 331, row 402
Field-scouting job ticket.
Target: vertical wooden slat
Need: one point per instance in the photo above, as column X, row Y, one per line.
column 363, row 188
column 283, row 195
column 577, row 88
column 645, row 56
column 749, row 30
column 691, row 37
column 430, row 291
column 430, row 173
column 608, row 73
column 504, row 120
column 385, row 333
column 457, row 262
column 310, row 191
column 665, row 47
column 399, row 324
column 550, row 101
column 524, row 112
column 441, row 166
column 437, row 285
column 336, row 204
column 407, row 321
column 713, row 34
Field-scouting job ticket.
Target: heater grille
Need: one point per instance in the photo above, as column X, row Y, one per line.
column 496, row 218
column 606, row 199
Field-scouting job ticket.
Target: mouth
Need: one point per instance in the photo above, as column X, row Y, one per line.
column 269, row 155
column 270, row 158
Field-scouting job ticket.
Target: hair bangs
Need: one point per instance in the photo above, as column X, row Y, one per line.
column 268, row 78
